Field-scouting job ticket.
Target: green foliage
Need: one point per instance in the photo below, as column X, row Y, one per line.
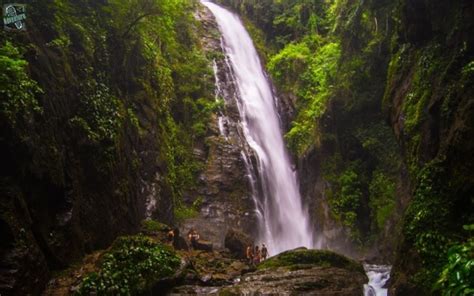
column 330, row 60
column 426, row 223
column 183, row 212
column 457, row 277
column 181, row 167
column 177, row 78
column 259, row 40
column 153, row 226
column 289, row 61
column 382, row 198
column 131, row 267
column 375, row 139
column 311, row 77
column 345, row 196
column 201, row 112
column 415, row 103
column 133, row 118
column 16, row 88
column 345, row 204
column 100, row 114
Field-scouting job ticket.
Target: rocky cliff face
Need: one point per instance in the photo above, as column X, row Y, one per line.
column 225, row 184
column 429, row 98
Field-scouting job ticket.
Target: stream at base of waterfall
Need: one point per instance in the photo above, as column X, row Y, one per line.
column 378, row 277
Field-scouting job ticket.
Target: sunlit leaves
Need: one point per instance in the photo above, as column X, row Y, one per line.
column 457, row 277
column 17, row 90
column 310, row 75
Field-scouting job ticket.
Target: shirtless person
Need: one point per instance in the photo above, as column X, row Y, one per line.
column 193, row 237
column 249, row 254
column 257, row 256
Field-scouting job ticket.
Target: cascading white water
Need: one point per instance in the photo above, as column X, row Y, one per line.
column 378, row 277
column 284, row 222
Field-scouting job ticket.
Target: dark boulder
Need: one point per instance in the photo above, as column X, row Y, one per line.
column 237, row 241
column 303, row 272
column 202, row 245
column 179, row 243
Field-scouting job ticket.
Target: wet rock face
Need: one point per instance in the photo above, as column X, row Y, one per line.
column 296, row 272
column 237, row 243
column 304, row 272
column 308, row 281
column 435, row 141
column 223, row 186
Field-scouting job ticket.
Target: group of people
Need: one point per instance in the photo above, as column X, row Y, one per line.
column 256, row 255
column 193, row 236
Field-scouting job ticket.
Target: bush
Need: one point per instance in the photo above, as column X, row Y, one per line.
column 16, row 88
column 154, row 226
column 382, row 198
column 345, row 204
column 457, row 277
column 182, row 212
column 131, row 267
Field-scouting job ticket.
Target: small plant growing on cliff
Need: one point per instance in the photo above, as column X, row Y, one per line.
column 16, row 88
column 457, row 277
column 131, row 267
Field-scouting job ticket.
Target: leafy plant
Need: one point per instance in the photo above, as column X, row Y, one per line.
column 153, row 226
column 382, row 198
column 183, row 212
column 457, row 277
column 131, row 267
column 100, row 113
column 311, row 77
column 16, row 88
column 345, row 199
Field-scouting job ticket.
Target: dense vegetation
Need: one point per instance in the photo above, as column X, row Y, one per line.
column 103, row 102
column 101, row 105
column 132, row 266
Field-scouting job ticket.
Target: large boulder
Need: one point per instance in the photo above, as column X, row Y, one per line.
column 237, row 241
column 296, row 258
column 303, row 272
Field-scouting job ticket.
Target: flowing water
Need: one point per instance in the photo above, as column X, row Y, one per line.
column 378, row 276
column 283, row 221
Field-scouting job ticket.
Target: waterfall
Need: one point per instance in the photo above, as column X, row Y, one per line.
column 284, row 223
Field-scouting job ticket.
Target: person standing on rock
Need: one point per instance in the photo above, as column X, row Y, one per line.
column 193, row 237
column 249, row 254
column 264, row 252
column 257, row 256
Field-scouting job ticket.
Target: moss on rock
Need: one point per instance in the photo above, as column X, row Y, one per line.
column 302, row 256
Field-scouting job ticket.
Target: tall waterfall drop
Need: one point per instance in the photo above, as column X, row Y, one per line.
column 284, row 224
